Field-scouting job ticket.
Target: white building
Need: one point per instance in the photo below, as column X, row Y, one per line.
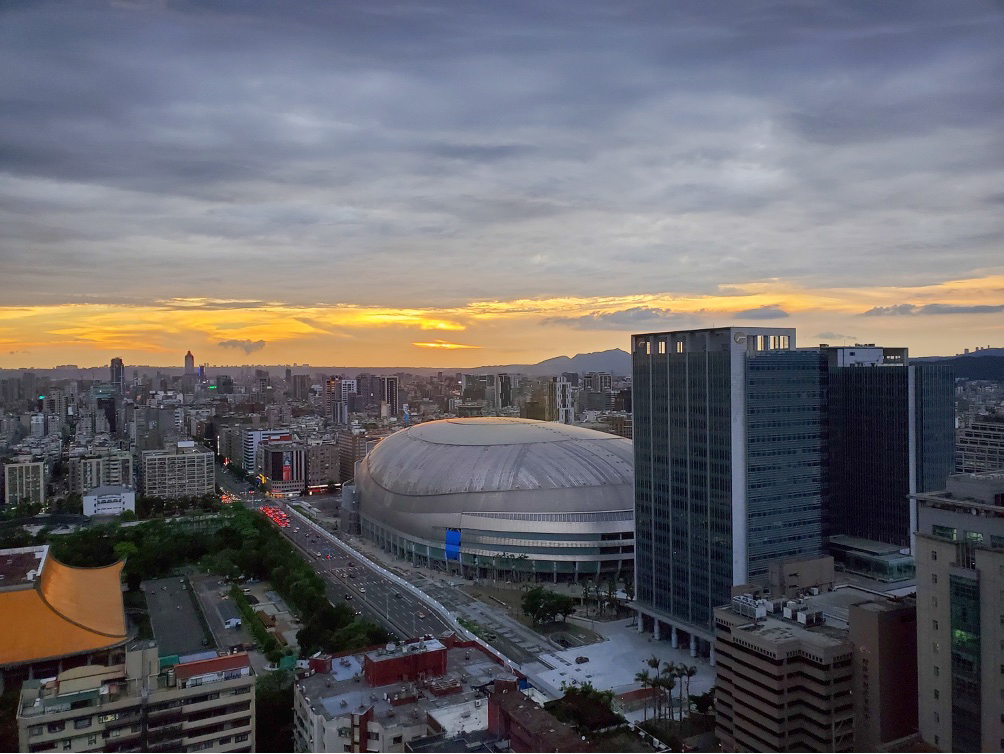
column 109, row 501
column 24, row 481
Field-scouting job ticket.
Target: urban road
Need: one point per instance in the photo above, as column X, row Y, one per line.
column 372, row 595
column 350, row 579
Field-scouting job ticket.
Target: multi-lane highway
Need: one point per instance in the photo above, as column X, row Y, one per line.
column 350, row 579
column 357, row 582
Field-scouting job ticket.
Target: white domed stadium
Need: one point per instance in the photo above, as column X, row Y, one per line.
column 502, row 498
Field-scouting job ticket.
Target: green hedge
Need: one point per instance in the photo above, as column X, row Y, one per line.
column 266, row 642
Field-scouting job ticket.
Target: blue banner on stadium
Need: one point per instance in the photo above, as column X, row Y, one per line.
column 453, row 544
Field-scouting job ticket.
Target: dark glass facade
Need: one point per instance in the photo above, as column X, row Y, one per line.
column 785, row 457
column 683, row 505
column 869, row 439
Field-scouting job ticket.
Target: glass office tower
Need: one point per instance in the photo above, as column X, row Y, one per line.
column 729, row 443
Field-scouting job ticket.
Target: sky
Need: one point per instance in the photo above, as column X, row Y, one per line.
column 424, row 183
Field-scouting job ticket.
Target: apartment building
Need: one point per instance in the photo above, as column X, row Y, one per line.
column 322, row 464
column 980, row 447
column 110, row 469
column 960, row 585
column 141, row 702
column 383, row 699
column 183, row 469
column 24, row 482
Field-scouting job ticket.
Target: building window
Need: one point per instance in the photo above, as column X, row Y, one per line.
column 58, row 727
column 398, row 739
column 934, row 601
column 934, row 554
column 67, row 744
column 679, row 346
column 934, row 578
column 935, row 647
column 241, row 737
column 934, row 625
column 662, row 346
column 82, row 722
column 937, row 694
column 937, row 670
column 91, row 740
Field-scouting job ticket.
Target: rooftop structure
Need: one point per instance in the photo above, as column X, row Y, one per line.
column 137, row 701
column 54, row 611
column 388, row 696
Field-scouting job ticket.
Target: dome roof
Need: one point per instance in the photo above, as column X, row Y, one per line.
column 492, row 455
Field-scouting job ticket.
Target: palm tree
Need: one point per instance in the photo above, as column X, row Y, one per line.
column 645, row 680
column 680, row 671
column 690, row 673
column 667, row 682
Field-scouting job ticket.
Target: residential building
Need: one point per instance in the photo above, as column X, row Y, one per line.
column 109, row 501
column 389, row 394
column 301, row 387
column 528, row 727
column 322, row 464
column 960, row 586
column 561, row 402
column 382, row 699
column 980, row 447
column 24, row 482
column 183, row 469
column 352, row 448
column 111, row 468
column 137, row 701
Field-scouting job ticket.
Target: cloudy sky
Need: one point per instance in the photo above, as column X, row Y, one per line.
column 414, row 182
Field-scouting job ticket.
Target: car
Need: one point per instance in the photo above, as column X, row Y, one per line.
column 348, row 596
column 397, row 594
column 362, row 590
column 420, row 614
column 581, row 659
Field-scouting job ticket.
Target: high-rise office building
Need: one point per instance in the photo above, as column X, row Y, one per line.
column 891, row 435
column 118, row 376
column 960, row 588
column 748, row 451
column 189, row 364
column 389, row 394
column 560, row 402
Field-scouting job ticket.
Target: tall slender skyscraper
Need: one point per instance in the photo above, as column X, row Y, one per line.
column 189, row 364
column 389, row 394
column 749, row 452
column 118, row 376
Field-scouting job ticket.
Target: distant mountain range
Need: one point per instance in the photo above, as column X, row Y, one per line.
column 985, row 364
column 615, row 361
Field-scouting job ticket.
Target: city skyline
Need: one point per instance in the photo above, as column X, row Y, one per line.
column 438, row 184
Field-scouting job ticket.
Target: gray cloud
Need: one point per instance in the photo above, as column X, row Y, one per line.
column 624, row 143
column 248, row 346
column 626, row 319
column 910, row 309
column 828, row 335
column 763, row 312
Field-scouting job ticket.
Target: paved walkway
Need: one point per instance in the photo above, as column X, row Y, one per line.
column 612, row 663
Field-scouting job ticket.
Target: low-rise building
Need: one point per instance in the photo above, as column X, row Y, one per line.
column 382, row 699
column 139, row 701
column 109, row 501
column 284, row 466
column 980, row 447
column 183, row 469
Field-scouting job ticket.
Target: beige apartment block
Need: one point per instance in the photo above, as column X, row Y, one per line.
column 181, row 470
column 24, row 482
column 141, row 704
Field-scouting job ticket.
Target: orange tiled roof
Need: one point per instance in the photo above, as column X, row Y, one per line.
column 68, row 611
